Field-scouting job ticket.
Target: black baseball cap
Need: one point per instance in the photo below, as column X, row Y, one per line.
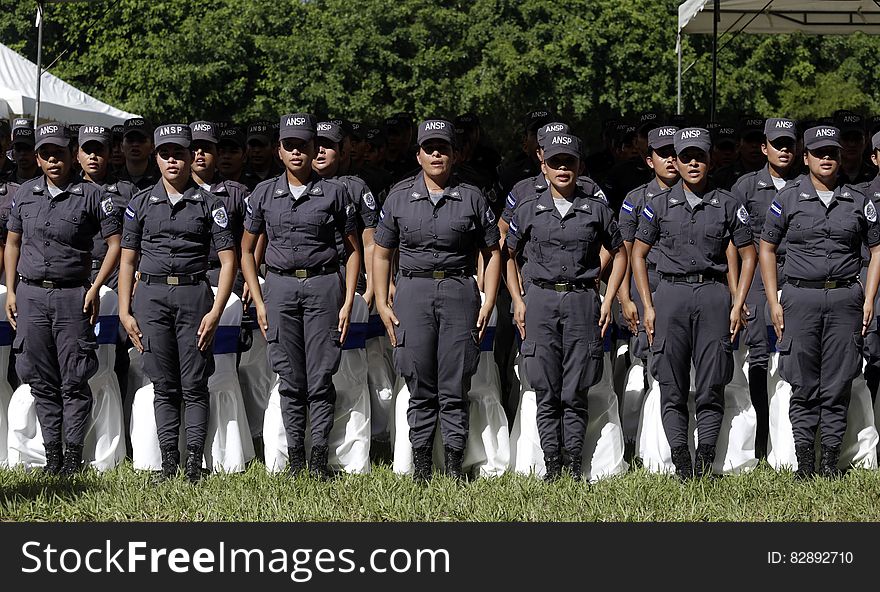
column 301, row 126
column 259, row 130
column 751, row 128
column 777, row 127
column 330, row 131
column 436, row 129
column 173, row 133
column 137, row 125
column 22, row 122
column 661, row 137
column 357, row 130
column 875, row 141
column 847, row 121
column 467, row 121
column 205, row 131
column 375, row 136
column 821, row 136
column 52, row 133
column 536, row 118
column 23, row 135
column 95, row 133
column 692, row 137
column 116, row 131
column 561, row 144
column 648, row 121
column 232, row 135
column 722, row 134
column 546, row 130
column 679, row 120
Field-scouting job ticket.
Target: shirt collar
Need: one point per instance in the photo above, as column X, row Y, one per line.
column 806, row 191
column 419, row 189
column 192, row 193
column 73, row 186
column 677, row 196
column 282, row 186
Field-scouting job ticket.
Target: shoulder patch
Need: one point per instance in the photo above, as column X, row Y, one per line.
column 776, row 209
column 490, row 216
column 648, row 213
column 107, row 206
column 600, row 195
column 511, row 201
column 870, row 211
column 129, row 213
column 513, row 227
column 628, row 207
column 220, row 217
column 370, row 200
column 382, row 214
column 743, row 214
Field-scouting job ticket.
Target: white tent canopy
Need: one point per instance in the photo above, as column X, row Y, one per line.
column 58, row 100
column 817, row 17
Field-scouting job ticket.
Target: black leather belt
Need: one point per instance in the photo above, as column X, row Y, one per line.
column 694, row 278
column 566, row 286
column 305, row 273
column 822, row 284
column 174, row 280
column 53, row 284
column 437, row 274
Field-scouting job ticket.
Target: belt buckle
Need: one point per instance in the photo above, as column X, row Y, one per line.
column 301, row 273
column 700, row 278
column 47, row 284
column 830, row 285
column 172, row 280
column 438, row 274
column 561, row 286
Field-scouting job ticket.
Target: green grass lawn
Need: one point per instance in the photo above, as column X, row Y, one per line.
column 127, row 495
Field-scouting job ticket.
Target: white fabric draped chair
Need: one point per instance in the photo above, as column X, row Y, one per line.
column 349, row 440
column 228, row 445
column 5, row 387
column 381, row 378
column 487, row 452
column 735, row 447
column 104, row 445
column 256, row 377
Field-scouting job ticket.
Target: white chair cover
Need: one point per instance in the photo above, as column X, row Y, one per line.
column 256, row 377
column 228, row 445
column 5, row 387
column 602, row 455
column 633, row 395
column 350, row 436
column 381, row 378
column 487, row 452
column 735, row 447
column 104, row 445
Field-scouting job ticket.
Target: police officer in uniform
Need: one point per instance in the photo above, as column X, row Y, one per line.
column 117, row 158
column 7, row 167
column 632, row 172
column 232, row 194
column 49, row 301
column 307, row 308
column 756, row 191
column 694, row 320
column 231, row 156
column 439, row 226
column 525, row 164
column 872, row 339
column 26, row 166
column 137, row 149
column 562, row 229
column 260, row 161
column 853, row 169
column 824, row 311
column 7, row 194
column 168, row 231
column 749, row 155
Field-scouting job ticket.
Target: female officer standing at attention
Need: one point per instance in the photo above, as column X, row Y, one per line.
column 561, row 230
column 307, row 309
column 694, row 319
column 170, row 228
column 825, row 312
column 439, row 225
column 49, row 245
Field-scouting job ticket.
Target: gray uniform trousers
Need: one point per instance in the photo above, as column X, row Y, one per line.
column 437, row 354
column 304, row 349
column 169, row 318
column 56, row 347
column 820, row 355
column 563, row 353
column 692, row 325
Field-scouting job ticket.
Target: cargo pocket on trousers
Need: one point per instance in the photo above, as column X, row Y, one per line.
column 724, row 361
column 657, row 365
column 472, row 353
column 856, row 357
column 403, row 362
column 787, row 362
column 23, row 367
column 592, row 371
column 86, row 359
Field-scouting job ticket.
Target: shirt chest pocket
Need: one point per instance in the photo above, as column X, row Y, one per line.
column 585, row 240
column 845, row 231
column 543, row 247
column 279, row 227
column 67, row 226
column 29, row 215
column 195, row 229
column 716, row 237
column 461, row 234
column 670, row 235
column 319, row 227
column 801, row 230
column 411, row 231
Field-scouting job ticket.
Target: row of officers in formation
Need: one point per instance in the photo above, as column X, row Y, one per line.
column 686, row 243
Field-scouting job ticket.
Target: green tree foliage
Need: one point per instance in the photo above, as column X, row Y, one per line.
column 585, row 59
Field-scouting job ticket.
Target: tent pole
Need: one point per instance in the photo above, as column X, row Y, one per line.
column 715, row 18
column 678, row 47
column 39, row 60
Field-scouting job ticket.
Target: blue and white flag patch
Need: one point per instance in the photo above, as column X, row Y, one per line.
column 513, row 227
column 628, row 207
column 776, row 209
column 129, row 213
column 648, row 213
column 511, row 201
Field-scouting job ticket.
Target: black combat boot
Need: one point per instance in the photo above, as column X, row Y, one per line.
column 806, row 459
column 574, row 466
column 830, row 458
column 552, row 467
column 318, row 463
column 681, row 458
column 453, row 459
column 703, row 462
column 296, row 458
column 423, row 464
column 193, row 467
column 54, row 458
column 73, row 460
column 170, row 462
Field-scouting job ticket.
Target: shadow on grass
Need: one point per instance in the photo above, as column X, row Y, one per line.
column 30, row 486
